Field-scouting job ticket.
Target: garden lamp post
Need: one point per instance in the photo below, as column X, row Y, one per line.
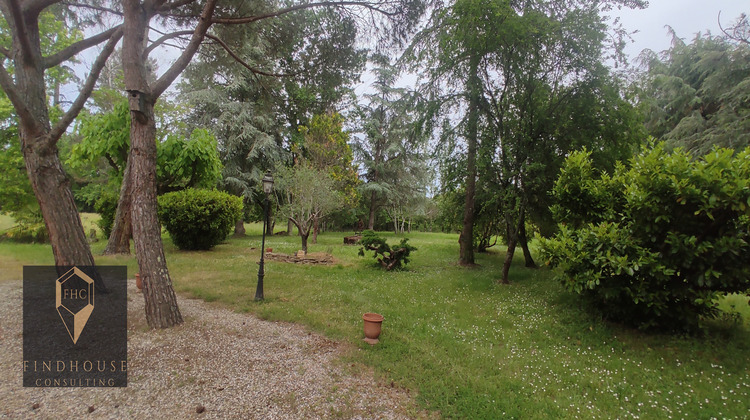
column 267, row 188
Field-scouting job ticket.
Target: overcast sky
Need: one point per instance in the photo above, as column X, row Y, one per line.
column 687, row 17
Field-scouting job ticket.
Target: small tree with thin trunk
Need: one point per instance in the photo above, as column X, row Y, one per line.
column 314, row 197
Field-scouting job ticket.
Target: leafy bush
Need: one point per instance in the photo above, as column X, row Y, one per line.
column 389, row 258
column 199, row 219
column 106, row 206
column 654, row 244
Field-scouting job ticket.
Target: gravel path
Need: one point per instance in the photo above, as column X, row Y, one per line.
column 234, row 365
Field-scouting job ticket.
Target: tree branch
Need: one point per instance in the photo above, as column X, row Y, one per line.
column 70, row 51
column 21, row 32
column 93, row 7
column 173, row 5
column 36, row 6
column 164, row 38
column 182, row 62
column 735, row 29
column 23, row 111
column 250, row 19
column 112, row 162
column 244, row 64
column 87, row 88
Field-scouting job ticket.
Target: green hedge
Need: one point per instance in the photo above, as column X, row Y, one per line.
column 654, row 244
column 199, row 219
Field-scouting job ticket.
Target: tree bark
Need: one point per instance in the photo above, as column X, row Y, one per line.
column 466, row 240
column 508, row 259
column 289, row 227
column 513, row 233
column 48, row 179
column 371, row 219
column 239, row 227
column 161, row 303
column 523, row 241
column 304, row 237
column 119, row 238
column 316, row 230
column 52, row 190
column 270, row 222
column 160, row 300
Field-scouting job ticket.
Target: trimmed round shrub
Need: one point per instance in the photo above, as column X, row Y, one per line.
column 199, row 219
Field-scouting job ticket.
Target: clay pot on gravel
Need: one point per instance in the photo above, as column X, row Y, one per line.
column 373, row 324
column 138, row 281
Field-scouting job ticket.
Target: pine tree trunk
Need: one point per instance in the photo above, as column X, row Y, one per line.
column 48, row 179
column 119, row 238
column 316, row 229
column 161, row 303
column 371, row 219
column 466, row 239
column 239, row 227
column 269, row 222
column 51, row 186
column 289, row 227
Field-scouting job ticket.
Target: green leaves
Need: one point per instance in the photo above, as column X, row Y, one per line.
column 654, row 243
column 389, row 258
column 326, row 147
column 199, row 219
column 187, row 164
column 180, row 163
column 695, row 95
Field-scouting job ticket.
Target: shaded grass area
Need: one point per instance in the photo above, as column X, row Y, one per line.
column 470, row 347
column 6, row 222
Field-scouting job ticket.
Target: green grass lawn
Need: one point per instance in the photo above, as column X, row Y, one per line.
column 6, row 222
column 467, row 346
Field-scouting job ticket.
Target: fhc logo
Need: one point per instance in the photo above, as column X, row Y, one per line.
column 74, row 298
column 75, row 326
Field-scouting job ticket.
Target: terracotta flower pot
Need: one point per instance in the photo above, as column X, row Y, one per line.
column 269, row 250
column 138, row 281
column 373, row 324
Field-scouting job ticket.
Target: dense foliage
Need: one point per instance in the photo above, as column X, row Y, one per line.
column 198, row 219
column 390, row 258
column 512, row 88
column 697, row 95
column 655, row 243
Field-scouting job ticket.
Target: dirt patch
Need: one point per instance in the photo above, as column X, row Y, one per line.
column 312, row 258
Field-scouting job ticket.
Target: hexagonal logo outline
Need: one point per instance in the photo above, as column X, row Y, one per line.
column 81, row 317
